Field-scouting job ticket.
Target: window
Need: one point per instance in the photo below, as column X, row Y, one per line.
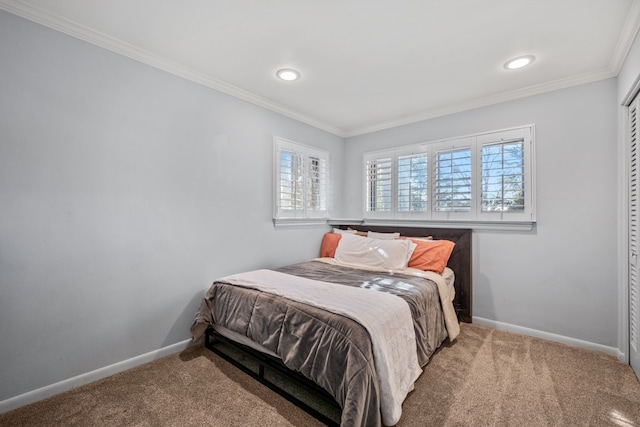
column 396, row 182
column 485, row 177
column 378, row 184
column 412, row 183
column 506, row 175
column 453, row 181
column 503, row 176
column 301, row 181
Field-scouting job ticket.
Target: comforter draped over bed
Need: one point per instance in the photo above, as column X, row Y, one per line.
column 332, row 350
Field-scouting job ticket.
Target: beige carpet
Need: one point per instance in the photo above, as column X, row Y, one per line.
column 487, row 378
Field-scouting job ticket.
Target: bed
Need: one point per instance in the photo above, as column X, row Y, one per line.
column 319, row 323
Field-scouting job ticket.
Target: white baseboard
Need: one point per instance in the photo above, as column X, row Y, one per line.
column 550, row 337
column 71, row 383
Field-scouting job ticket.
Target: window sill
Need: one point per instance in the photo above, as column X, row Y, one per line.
column 474, row 225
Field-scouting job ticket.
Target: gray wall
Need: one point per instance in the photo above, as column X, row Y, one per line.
column 562, row 277
column 124, row 191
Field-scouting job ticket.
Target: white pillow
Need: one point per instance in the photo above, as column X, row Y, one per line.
column 412, row 247
column 391, row 236
column 383, row 236
column 341, row 231
column 367, row 252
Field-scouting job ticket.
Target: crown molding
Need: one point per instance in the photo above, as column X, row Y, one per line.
column 489, row 100
column 120, row 47
column 627, row 36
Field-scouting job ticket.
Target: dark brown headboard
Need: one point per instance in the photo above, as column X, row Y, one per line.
column 459, row 262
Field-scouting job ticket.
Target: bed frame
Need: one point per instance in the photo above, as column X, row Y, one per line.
column 257, row 364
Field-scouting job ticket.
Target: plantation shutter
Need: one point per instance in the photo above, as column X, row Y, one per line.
column 412, row 183
column 302, row 181
column 317, row 182
column 453, row 183
column 378, row 184
column 503, row 178
column 488, row 177
column 291, row 185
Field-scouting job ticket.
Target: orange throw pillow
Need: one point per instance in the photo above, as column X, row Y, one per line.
column 431, row 255
column 329, row 245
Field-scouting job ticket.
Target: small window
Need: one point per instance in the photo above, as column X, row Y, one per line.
column 506, row 175
column 301, row 181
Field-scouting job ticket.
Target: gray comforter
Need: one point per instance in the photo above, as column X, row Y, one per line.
column 331, row 350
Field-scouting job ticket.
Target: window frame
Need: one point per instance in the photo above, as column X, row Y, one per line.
column 372, row 157
column 420, row 150
column 452, row 145
column 306, row 153
column 475, row 214
column 526, row 134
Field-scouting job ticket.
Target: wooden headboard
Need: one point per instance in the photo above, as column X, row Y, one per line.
column 459, row 262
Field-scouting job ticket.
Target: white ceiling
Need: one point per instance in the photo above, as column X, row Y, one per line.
column 365, row 64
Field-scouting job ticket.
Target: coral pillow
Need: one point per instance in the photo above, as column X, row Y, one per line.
column 431, row 255
column 329, row 245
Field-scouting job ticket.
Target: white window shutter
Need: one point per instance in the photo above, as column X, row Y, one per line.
column 488, row 177
column 412, row 180
column 291, row 185
column 502, row 170
column 317, row 185
column 505, row 176
column 302, row 181
column 379, row 176
column 453, row 184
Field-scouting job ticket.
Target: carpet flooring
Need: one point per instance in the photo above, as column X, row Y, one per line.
column 486, row 378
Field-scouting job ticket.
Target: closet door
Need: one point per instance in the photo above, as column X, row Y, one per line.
column 634, row 244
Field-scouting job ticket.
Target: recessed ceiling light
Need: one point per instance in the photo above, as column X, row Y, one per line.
column 288, row 74
column 519, row 62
